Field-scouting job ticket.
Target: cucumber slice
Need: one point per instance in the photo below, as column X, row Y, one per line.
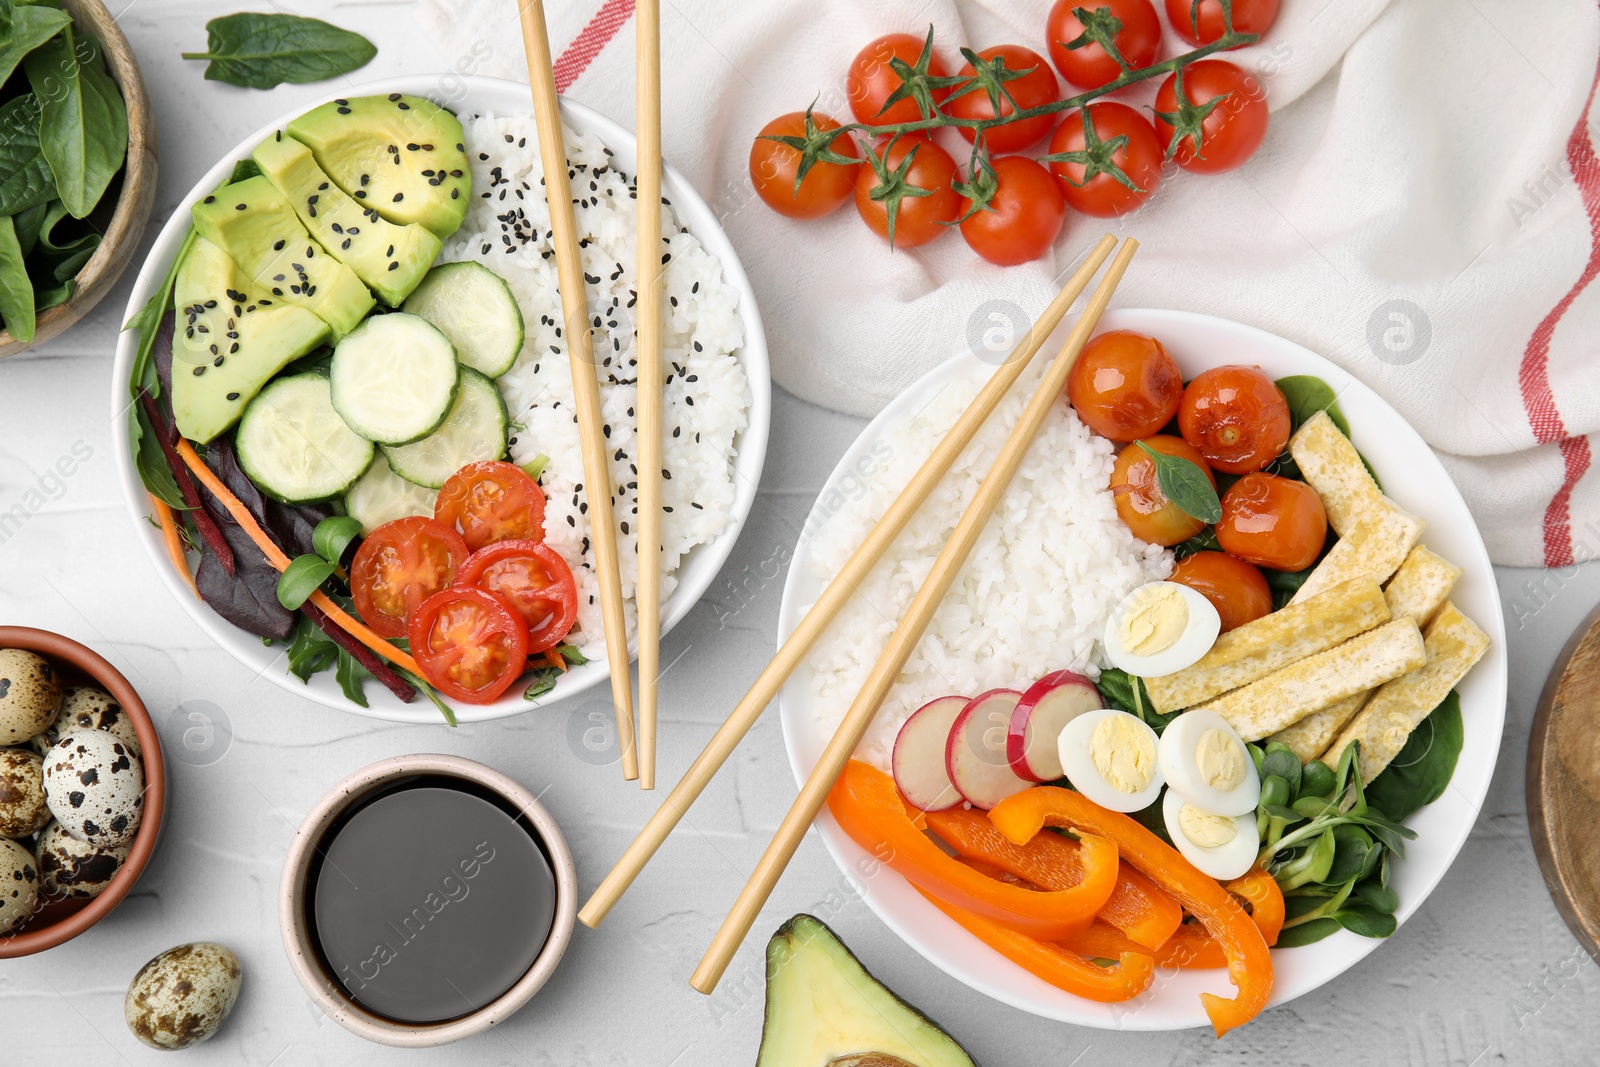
column 382, row 496
column 473, row 306
column 475, row 430
column 394, row 378
column 295, row 447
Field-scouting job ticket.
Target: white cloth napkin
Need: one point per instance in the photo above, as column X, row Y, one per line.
column 1425, row 212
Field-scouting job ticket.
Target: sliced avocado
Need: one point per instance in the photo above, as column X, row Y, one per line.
column 825, row 1010
column 253, row 223
column 402, row 155
column 230, row 341
column 390, row 258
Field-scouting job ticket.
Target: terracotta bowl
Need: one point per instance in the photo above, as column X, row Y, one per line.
column 306, row 961
column 60, row 921
column 119, row 244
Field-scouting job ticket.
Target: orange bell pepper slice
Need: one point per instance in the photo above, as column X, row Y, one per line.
column 1136, row 906
column 1023, row 815
column 1063, row 969
column 1189, row 947
column 868, row 807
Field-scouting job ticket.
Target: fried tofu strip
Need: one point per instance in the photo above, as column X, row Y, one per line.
column 1418, row 590
column 1273, row 642
column 1267, row 705
column 1454, row 644
column 1330, row 465
column 1376, row 546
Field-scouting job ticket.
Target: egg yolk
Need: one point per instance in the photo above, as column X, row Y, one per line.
column 1220, row 761
column 1123, row 754
column 1205, row 829
column 1157, row 616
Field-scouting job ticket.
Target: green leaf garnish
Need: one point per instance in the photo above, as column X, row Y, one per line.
column 304, row 575
column 333, row 535
column 1185, row 484
column 258, row 51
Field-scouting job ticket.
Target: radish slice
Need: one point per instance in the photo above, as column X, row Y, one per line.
column 918, row 759
column 1040, row 716
column 975, row 754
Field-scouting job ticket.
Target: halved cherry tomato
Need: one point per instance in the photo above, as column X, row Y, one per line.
column 1140, row 501
column 471, row 645
column 1235, row 588
column 1273, row 522
column 1125, row 386
column 1034, row 89
column 491, row 501
column 1249, row 16
column 872, row 80
column 1234, row 128
column 1089, row 66
column 398, row 566
column 773, row 166
column 920, row 219
column 1139, row 159
column 534, row 580
column 1236, row 416
column 1022, row 220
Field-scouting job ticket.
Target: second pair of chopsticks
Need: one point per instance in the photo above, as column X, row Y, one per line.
column 835, row 596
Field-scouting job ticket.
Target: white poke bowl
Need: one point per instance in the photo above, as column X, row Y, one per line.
column 464, row 95
column 1413, row 476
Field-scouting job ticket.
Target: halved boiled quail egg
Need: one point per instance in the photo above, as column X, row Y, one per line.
column 1110, row 757
column 1204, row 761
column 1220, row 846
column 1160, row 628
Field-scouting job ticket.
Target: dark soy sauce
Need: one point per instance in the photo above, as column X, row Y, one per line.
column 430, row 898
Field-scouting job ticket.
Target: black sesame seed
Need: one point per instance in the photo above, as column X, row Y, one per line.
column 209, row 200
column 199, row 371
column 277, row 246
column 399, row 197
column 233, row 396
column 394, row 266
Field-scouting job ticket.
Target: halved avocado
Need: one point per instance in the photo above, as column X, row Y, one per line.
column 391, row 259
column 825, row 1010
column 401, row 155
column 229, row 342
column 253, row 223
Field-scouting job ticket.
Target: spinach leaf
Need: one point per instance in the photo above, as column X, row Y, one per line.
column 1378, row 897
column 28, row 222
column 1204, row 541
column 148, row 319
column 16, row 290
column 1419, row 774
column 83, row 131
column 312, row 651
column 258, row 51
column 54, row 295
column 25, row 178
column 62, row 256
column 1307, row 394
column 1307, row 933
column 1123, row 691
column 1186, row 485
column 24, row 28
column 1366, row 921
column 1285, row 584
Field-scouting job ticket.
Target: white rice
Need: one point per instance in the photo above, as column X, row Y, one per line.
column 507, row 229
column 1035, row 593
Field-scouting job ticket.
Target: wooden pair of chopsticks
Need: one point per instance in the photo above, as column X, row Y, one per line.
column 636, row 763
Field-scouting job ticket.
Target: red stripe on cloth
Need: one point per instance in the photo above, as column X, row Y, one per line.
column 1575, row 459
column 612, row 16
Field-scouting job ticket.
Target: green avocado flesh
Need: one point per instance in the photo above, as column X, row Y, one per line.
column 391, row 259
column 229, row 341
column 401, row 155
column 253, row 223
column 823, row 1009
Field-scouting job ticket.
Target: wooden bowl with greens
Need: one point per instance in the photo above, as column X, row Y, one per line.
column 77, row 165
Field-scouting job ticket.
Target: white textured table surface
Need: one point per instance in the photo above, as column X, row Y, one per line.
column 1485, row 973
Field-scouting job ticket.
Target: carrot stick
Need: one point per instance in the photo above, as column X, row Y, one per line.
column 169, row 530
column 275, row 556
column 167, row 437
column 392, row 681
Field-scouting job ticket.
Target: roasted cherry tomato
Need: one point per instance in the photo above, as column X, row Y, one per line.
column 920, row 218
column 1125, row 386
column 1022, row 220
column 773, row 166
column 471, row 645
column 398, row 566
column 1232, row 131
column 872, row 80
column 1249, row 16
column 1089, row 66
column 1139, row 159
column 1236, row 417
column 1033, row 89
column 1235, row 588
column 491, row 501
column 1272, row 521
column 1140, row 501
column 534, row 580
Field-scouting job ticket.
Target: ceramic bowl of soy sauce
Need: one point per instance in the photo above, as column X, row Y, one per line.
column 426, row 898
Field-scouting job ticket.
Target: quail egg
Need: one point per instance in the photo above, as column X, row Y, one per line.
column 22, row 804
column 1160, row 628
column 1219, row 846
column 1204, row 760
column 95, row 788
column 76, row 869
column 19, row 885
column 181, row 997
column 30, row 693
column 86, row 707
column 1110, row 757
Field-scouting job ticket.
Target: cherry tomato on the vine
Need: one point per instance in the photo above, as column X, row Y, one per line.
column 1236, row 416
column 1125, row 386
column 919, row 219
column 1088, row 181
column 1139, row 499
column 1230, row 132
column 1249, row 16
column 1033, row 89
column 1272, row 521
column 1235, row 588
column 1090, row 66
column 872, row 80
column 773, row 166
column 1022, row 219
